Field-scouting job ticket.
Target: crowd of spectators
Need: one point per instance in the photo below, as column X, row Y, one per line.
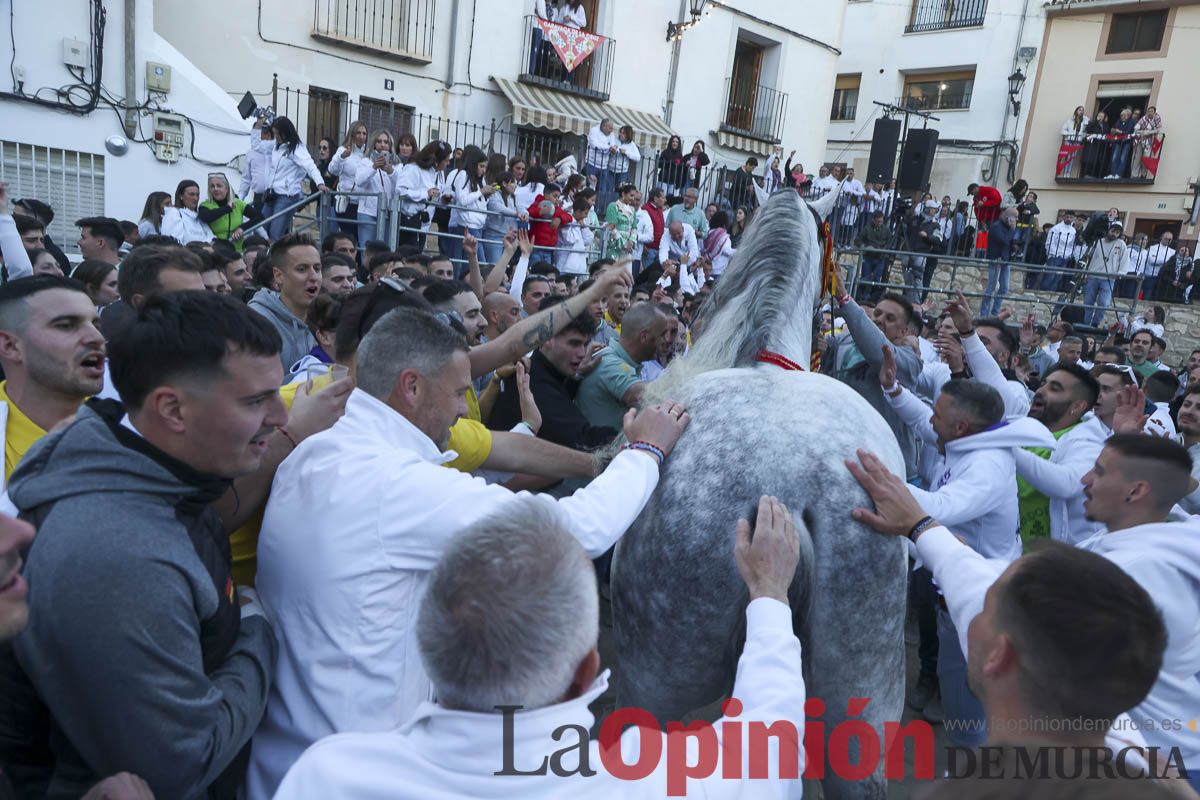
column 273, row 478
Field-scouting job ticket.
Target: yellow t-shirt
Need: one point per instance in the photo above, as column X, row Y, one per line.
column 468, row 438
column 616, row 326
column 20, row 432
column 472, row 408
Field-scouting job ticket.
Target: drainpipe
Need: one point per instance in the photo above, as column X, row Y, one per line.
column 1004, row 123
column 676, row 46
column 454, row 44
column 130, row 68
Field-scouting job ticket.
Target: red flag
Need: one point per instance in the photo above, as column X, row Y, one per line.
column 1066, row 156
column 1153, row 153
column 571, row 44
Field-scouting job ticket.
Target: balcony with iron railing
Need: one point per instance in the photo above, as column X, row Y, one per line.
column 541, row 65
column 940, row 15
column 1109, row 160
column 401, row 29
column 754, row 110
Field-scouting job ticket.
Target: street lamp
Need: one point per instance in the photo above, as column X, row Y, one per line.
column 675, row 29
column 1015, row 82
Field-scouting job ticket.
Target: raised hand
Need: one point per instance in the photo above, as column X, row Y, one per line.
column 530, row 414
column 1130, row 416
column 660, row 425
column 960, row 311
column 887, row 370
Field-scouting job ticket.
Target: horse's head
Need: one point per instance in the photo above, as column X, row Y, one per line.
column 766, row 297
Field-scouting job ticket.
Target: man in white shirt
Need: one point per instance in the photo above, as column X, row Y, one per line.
column 976, row 496
column 602, row 145
column 679, row 254
column 1156, row 257
column 1052, row 639
column 1065, row 395
column 509, row 629
column 256, row 175
column 824, row 182
column 358, row 516
column 1132, row 489
column 1060, row 243
column 1135, row 263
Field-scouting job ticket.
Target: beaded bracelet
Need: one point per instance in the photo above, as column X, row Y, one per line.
column 652, row 449
column 925, row 524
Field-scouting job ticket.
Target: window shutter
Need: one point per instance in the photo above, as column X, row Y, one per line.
column 69, row 181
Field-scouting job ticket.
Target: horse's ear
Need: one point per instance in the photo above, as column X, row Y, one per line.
column 824, row 206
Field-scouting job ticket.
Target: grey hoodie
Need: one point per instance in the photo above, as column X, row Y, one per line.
column 297, row 339
column 134, row 647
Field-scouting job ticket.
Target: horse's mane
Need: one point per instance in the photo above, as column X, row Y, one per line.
column 762, row 301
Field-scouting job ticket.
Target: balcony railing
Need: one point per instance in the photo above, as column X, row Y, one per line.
column 1109, row 159
column 541, row 65
column 754, row 110
column 938, row 15
column 400, row 28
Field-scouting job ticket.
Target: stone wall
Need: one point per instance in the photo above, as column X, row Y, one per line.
column 970, row 275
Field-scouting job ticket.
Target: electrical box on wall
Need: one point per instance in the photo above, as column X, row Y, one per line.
column 168, row 136
column 158, row 77
column 75, row 53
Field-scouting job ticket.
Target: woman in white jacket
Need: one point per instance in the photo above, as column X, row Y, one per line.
column 180, row 221
column 290, row 165
column 471, row 193
column 420, row 184
column 344, row 165
column 376, row 173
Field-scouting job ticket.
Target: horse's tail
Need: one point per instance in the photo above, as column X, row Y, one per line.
column 800, row 593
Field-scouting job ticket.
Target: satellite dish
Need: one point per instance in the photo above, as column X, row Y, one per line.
column 117, row 145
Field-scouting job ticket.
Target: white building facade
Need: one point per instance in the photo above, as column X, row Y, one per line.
column 742, row 79
column 950, row 58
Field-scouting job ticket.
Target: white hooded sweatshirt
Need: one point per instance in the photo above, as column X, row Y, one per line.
column 976, row 494
column 1059, row 478
column 1164, row 558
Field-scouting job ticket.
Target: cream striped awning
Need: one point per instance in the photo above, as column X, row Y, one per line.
column 744, row 143
column 545, row 108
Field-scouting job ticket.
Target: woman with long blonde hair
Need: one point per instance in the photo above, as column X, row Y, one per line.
column 344, row 165
column 225, row 213
column 377, row 175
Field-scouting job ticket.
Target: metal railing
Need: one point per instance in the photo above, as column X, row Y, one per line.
column 937, row 15
column 1109, row 158
column 941, row 101
column 402, row 28
column 754, row 110
column 541, row 65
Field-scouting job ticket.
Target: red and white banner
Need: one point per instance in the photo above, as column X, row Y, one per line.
column 1066, row 157
column 1151, row 153
column 571, row 44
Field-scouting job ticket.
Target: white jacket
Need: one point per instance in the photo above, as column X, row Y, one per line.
column 1191, row 503
column 1164, row 558
column 985, row 370
column 357, row 517
column 369, row 179
column 566, row 167
column 412, row 187
column 184, row 225
column 286, row 171
column 578, row 240
column 256, row 174
column 976, row 494
column 12, row 249
column 599, row 145
column 452, row 754
column 459, row 183
column 1059, row 478
column 686, row 252
column 964, row 577
column 347, row 169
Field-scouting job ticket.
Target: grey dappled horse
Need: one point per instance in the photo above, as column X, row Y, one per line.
column 678, row 601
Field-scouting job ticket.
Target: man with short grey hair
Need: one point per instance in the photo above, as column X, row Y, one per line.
column 689, row 213
column 508, row 632
column 615, row 385
column 358, row 516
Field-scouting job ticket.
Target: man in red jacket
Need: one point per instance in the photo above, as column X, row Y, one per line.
column 544, row 222
column 987, row 204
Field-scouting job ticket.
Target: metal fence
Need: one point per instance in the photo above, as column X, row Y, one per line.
column 403, row 28
column 935, row 15
column 1109, row 158
column 754, row 110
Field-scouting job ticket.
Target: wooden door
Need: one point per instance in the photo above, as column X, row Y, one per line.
column 743, row 86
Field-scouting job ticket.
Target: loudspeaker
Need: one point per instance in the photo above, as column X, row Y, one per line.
column 884, row 142
column 916, row 160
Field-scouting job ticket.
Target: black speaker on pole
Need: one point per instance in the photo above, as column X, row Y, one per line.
column 884, row 142
column 916, row 160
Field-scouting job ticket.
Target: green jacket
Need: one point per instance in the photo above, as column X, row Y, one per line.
column 872, row 237
column 223, row 225
column 1034, row 506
